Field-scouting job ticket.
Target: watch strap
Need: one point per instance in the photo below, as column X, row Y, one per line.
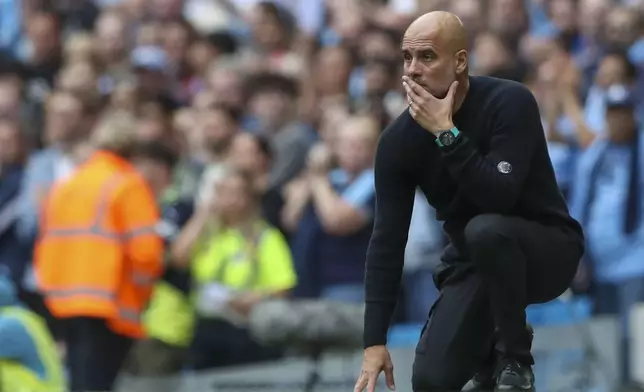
column 454, row 131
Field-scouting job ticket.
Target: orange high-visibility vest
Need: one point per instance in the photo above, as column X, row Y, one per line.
column 98, row 254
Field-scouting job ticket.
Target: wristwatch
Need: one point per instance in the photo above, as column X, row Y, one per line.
column 447, row 138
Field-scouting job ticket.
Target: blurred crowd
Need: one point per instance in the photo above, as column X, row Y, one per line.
column 256, row 125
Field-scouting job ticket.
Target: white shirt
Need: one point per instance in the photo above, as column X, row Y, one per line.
column 63, row 168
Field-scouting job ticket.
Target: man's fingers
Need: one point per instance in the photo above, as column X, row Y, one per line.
column 371, row 382
column 410, row 93
column 361, row 383
column 389, row 377
column 452, row 91
column 414, row 108
column 412, row 90
column 415, row 87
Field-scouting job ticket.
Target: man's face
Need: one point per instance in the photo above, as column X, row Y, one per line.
column 470, row 12
column 271, row 107
column 333, row 70
column 591, row 16
column 217, row 130
column 166, row 9
column 157, row 174
column 43, row 33
column 356, row 145
column 110, row 36
column 79, row 78
column 564, row 15
column 377, row 79
column 430, row 62
column 176, row 40
column 226, row 85
column 11, row 146
column 507, row 16
column 377, row 45
column 151, row 82
column 612, row 70
column 9, row 98
column 151, row 129
column 246, row 154
column 64, row 116
column 490, row 54
column 621, row 28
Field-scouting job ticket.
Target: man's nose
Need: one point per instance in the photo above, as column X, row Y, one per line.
column 413, row 69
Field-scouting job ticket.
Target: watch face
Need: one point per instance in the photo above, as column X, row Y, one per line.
column 446, row 138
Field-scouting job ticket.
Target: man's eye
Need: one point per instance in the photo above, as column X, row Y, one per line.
column 428, row 57
column 407, row 57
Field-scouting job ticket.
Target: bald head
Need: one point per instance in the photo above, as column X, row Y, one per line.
column 441, row 25
column 435, row 51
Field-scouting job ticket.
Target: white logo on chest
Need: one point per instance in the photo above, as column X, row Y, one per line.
column 504, row 167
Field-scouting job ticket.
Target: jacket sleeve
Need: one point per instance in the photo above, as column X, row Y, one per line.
column 495, row 179
column 138, row 219
column 385, row 256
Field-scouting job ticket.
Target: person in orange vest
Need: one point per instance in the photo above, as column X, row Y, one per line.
column 99, row 253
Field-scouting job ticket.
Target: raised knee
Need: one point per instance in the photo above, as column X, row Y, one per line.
column 443, row 378
column 485, row 230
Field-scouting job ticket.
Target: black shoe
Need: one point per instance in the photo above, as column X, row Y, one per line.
column 515, row 377
column 484, row 379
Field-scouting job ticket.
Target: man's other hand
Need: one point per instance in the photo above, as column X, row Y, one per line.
column 376, row 360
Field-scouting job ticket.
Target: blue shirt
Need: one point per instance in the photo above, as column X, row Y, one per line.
column 606, row 219
column 562, row 154
column 10, row 26
column 340, row 259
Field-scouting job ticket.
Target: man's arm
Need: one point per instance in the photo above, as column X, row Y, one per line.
column 342, row 214
column 385, row 257
column 142, row 244
column 495, row 180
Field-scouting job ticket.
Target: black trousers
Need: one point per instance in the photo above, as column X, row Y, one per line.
column 218, row 343
column 35, row 302
column 95, row 354
column 513, row 263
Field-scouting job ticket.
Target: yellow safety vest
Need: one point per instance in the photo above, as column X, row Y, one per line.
column 14, row 376
column 169, row 316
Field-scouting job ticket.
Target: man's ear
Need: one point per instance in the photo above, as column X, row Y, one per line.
column 461, row 62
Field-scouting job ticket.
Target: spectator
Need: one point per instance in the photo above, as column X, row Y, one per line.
column 224, row 80
column 253, row 154
column 11, row 86
column 330, row 212
column 609, row 177
column 79, row 48
column 169, row 319
column 150, row 64
column 236, row 259
column 273, row 28
column 614, row 68
column 624, row 32
column 12, row 157
column 44, row 57
column 27, row 351
column 272, row 104
column 66, row 127
column 99, row 304
column 217, row 127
